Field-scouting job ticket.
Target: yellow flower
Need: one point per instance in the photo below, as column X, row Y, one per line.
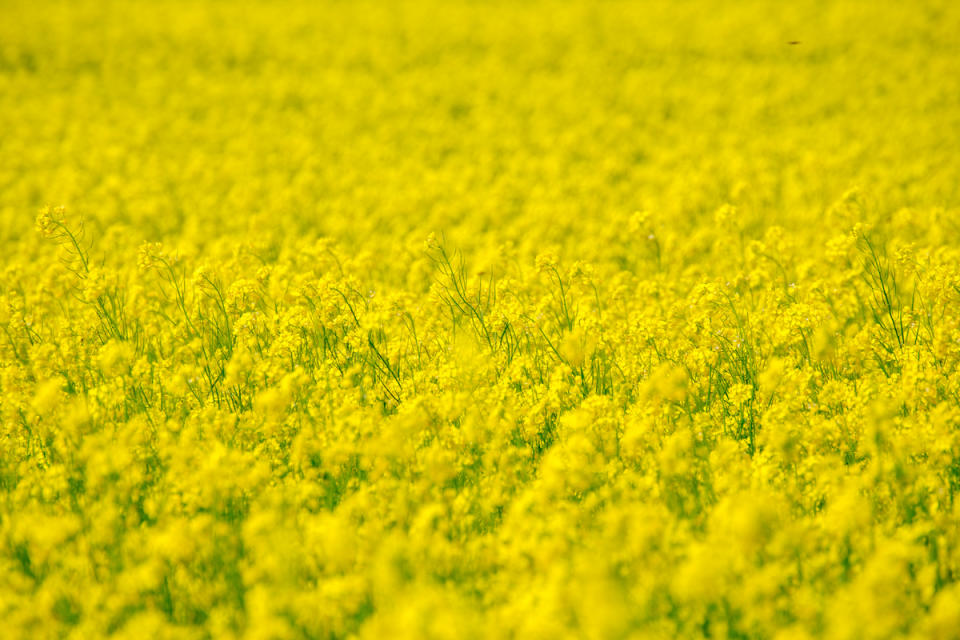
column 49, row 220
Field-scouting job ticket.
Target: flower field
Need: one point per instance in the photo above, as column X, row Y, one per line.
column 479, row 319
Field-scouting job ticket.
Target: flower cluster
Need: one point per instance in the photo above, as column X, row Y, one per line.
column 479, row 320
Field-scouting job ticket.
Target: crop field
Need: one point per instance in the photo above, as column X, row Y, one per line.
column 474, row 319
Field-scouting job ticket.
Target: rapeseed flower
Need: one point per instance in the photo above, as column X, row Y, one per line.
column 500, row 320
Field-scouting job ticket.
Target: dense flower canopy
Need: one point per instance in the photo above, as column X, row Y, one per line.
column 473, row 319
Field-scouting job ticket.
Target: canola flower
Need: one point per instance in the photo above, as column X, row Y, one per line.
column 479, row 320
